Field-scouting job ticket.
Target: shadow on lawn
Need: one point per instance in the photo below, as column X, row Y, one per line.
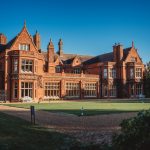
column 90, row 112
column 16, row 133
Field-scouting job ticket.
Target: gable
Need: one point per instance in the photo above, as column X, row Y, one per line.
column 23, row 38
column 133, row 55
column 76, row 61
column 58, row 61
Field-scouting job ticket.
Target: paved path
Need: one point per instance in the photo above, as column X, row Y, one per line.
column 71, row 124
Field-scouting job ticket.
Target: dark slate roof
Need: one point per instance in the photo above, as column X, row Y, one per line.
column 2, row 47
column 101, row 58
column 126, row 52
column 9, row 44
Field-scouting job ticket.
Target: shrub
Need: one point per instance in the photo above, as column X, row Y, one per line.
column 135, row 133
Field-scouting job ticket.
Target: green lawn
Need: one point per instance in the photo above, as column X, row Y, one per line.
column 90, row 107
column 17, row 134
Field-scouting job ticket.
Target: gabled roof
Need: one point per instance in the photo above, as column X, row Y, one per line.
column 126, row 52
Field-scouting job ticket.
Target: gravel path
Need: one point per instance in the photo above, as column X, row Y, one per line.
column 94, row 129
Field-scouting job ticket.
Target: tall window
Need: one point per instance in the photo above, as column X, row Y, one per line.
column 138, row 89
column 138, row 72
column 52, row 89
column 105, row 73
column 112, row 90
column 105, row 90
column 26, row 89
column 27, row 66
column 15, row 90
column 58, row 69
column 90, row 90
column 77, row 70
column 15, row 65
column 73, row 89
column 25, row 47
column 133, row 59
column 112, row 73
column 131, row 73
column 36, row 66
column 132, row 89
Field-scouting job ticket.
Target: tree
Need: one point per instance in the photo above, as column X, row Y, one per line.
column 135, row 133
column 147, row 80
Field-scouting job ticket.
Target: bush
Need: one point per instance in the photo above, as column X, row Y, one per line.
column 135, row 133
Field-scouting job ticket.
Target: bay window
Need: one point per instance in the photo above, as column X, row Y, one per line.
column 138, row 72
column 15, row 65
column 26, row 66
column 26, row 89
column 112, row 73
column 105, row 73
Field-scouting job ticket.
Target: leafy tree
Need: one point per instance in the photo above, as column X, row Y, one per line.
column 147, row 80
column 135, row 133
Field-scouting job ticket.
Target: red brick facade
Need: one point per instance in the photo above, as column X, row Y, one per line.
column 27, row 71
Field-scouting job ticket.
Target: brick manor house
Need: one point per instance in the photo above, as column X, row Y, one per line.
column 28, row 71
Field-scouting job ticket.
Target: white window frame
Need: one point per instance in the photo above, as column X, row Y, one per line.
column 26, row 66
column 90, row 90
column 52, row 89
column 15, row 91
column 25, row 47
column 138, row 72
column 26, row 89
column 72, row 89
column 112, row 73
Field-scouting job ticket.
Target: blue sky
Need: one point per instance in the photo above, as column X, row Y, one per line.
column 88, row 27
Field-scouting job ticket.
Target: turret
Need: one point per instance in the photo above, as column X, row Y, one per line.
column 60, row 47
column 37, row 41
column 3, row 39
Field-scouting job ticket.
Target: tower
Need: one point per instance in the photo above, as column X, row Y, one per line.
column 60, row 48
column 50, row 57
column 3, row 39
column 37, row 41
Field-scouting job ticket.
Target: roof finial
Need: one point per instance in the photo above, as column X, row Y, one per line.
column 132, row 44
column 24, row 23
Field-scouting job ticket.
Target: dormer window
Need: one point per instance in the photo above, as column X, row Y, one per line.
column 25, row 47
column 58, row 69
column 77, row 70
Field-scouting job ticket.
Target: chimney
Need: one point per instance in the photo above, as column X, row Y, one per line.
column 60, row 48
column 118, row 52
column 50, row 57
column 3, row 39
column 37, row 41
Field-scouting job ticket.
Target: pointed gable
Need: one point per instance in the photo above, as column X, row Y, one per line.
column 23, row 38
column 58, row 61
column 76, row 61
column 133, row 56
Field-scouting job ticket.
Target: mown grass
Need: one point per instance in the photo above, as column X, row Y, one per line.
column 17, row 134
column 89, row 107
